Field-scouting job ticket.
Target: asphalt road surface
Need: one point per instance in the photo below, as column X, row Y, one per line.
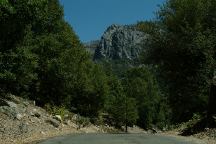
column 117, row 139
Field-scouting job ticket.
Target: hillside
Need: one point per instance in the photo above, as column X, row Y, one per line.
column 21, row 122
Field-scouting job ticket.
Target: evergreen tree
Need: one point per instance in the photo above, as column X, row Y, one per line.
column 140, row 84
column 122, row 109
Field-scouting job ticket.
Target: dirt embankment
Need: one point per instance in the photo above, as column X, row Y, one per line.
column 207, row 137
column 23, row 122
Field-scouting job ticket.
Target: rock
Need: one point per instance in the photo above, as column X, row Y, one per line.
column 75, row 117
column 206, row 129
column 66, row 116
column 12, row 104
column 120, row 42
column 42, row 132
column 53, row 122
column 152, row 131
column 7, row 103
column 164, row 129
column 23, row 128
column 3, row 102
column 9, row 111
column 13, row 98
column 71, row 124
column 19, row 116
column 58, row 117
column 31, row 120
column 37, row 114
column 26, row 103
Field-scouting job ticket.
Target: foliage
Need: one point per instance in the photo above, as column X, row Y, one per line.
column 42, row 58
column 140, row 84
column 121, row 109
column 82, row 121
column 183, row 47
column 57, row 110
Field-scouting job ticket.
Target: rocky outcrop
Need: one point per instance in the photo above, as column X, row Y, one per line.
column 120, row 42
column 20, row 119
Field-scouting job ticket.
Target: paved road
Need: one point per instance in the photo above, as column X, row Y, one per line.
column 116, row 139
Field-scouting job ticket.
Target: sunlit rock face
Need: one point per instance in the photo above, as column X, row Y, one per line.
column 120, row 42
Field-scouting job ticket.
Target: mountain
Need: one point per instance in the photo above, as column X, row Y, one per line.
column 119, row 42
column 92, row 46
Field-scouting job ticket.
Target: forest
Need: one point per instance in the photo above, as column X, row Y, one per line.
column 42, row 59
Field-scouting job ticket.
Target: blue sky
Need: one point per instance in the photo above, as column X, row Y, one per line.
column 90, row 18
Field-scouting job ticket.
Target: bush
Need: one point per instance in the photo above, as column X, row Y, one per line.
column 82, row 121
column 57, row 110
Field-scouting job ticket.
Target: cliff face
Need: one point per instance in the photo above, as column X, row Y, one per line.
column 120, row 42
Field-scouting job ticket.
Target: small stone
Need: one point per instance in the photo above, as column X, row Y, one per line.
column 37, row 114
column 54, row 122
column 19, row 116
column 23, row 128
column 26, row 103
column 206, row 129
column 58, row 117
column 32, row 120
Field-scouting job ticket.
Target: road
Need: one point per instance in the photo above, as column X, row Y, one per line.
column 117, row 139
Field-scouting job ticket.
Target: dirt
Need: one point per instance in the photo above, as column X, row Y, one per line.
column 205, row 136
column 23, row 122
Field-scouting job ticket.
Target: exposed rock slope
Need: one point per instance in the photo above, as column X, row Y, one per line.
column 120, row 42
column 21, row 121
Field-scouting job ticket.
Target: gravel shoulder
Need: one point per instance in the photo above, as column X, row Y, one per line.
column 198, row 138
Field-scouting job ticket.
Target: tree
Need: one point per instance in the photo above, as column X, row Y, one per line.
column 122, row 109
column 183, row 47
column 17, row 61
column 140, row 84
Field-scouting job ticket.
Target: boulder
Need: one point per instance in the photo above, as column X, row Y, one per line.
column 4, row 102
column 53, row 122
column 9, row 111
column 58, row 118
